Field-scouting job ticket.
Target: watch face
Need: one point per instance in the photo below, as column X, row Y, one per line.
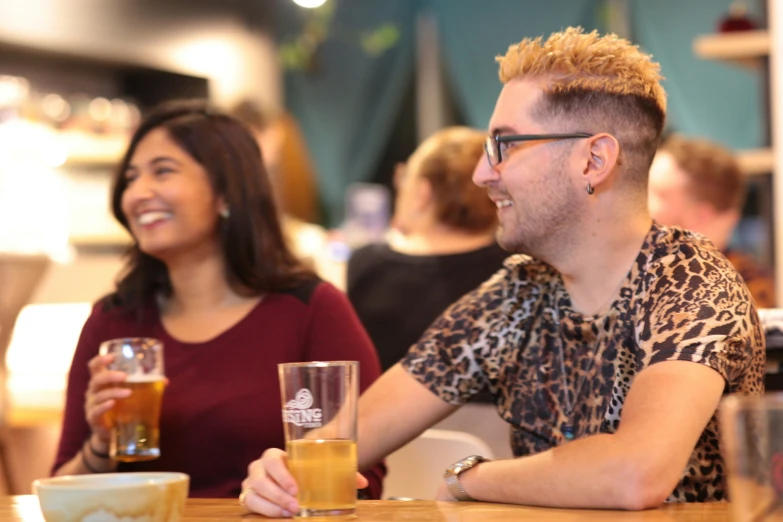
column 452, row 476
column 466, row 463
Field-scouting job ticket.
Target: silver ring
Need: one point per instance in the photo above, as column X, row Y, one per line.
column 243, row 496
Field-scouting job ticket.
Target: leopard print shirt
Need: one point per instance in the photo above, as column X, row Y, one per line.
column 518, row 334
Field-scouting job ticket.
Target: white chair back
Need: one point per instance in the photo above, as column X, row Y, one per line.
column 19, row 275
column 416, row 469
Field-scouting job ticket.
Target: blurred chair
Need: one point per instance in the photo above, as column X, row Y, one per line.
column 37, row 363
column 416, row 469
column 19, row 275
column 483, row 421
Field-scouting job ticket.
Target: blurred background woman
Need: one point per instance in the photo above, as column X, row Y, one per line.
column 441, row 246
column 292, row 174
column 211, row 276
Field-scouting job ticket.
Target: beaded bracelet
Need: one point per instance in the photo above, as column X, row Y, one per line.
column 96, row 452
column 87, row 464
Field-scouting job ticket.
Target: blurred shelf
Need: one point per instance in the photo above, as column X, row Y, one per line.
column 119, row 239
column 103, row 161
column 754, row 162
column 743, row 48
column 89, row 150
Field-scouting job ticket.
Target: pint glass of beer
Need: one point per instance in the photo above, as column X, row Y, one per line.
column 134, row 419
column 319, row 418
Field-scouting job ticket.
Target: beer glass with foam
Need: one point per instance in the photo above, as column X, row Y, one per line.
column 134, row 420
column 319, row 419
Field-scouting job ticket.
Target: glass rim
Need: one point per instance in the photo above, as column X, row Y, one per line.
column 318, row 364
column 138, row 343
column 154, row 340
column 768, row 400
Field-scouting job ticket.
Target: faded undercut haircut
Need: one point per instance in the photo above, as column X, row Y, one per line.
column 594, row 84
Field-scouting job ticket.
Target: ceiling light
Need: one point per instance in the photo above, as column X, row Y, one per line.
column 309, row 3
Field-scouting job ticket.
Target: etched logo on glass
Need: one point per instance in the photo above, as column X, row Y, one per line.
column 298, row 411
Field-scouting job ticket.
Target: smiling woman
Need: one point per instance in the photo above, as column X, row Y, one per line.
column 182, row 187
column 193, row 181
column 209, row 275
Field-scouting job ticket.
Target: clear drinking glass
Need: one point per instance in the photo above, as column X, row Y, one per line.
column 751, row 432
column 319, row 419
column 134, row 420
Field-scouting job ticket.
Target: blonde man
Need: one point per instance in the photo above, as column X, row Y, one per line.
column 609, row 343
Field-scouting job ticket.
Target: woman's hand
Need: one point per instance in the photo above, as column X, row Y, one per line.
column 270, row 489
column 101, row 395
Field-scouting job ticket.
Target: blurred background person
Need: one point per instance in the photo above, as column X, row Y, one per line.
column 293, row 177
column 442, row 244
column 210, row 275
column 697, row 185
column 286, row 159
column 291, row 171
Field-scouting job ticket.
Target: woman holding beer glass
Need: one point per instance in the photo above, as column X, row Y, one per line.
column 209, row 276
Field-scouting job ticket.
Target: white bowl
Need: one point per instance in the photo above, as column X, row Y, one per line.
column 110, row 497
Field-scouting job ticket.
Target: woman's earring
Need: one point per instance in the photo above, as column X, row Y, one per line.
column 590, row 189
column 225, row 212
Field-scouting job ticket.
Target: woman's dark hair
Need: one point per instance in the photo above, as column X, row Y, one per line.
column 258, row 259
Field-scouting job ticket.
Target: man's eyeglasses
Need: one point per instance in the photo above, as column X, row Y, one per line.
column 493, row 145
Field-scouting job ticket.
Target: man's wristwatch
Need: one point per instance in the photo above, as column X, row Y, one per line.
column 452, row 476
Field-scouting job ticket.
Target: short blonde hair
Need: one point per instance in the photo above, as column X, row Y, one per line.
column 603, row 83
column 575, row 60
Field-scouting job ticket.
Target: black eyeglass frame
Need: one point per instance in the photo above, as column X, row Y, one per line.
column 497, row 139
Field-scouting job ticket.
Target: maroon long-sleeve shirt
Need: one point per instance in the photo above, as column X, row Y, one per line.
column 222, row 407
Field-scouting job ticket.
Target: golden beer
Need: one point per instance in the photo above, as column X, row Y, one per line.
column 134, row 420
column 325, row 471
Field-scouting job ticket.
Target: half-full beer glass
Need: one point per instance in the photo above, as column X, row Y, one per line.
column 751, row 433
column 134, row 420
column 319, row 418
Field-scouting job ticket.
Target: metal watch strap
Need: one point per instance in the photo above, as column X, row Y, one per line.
column 451, row 476
column 455, row 488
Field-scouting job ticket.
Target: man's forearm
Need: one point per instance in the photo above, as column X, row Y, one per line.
column 394, row 410
column 594, row 472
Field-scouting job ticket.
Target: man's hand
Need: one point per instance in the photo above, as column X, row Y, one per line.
column 270, row 489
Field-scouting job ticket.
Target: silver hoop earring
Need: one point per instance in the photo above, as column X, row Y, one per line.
column 590, row 189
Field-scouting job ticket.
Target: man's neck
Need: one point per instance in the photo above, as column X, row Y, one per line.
column 596, row 269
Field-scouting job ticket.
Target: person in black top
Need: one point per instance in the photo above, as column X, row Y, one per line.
column 441, row 245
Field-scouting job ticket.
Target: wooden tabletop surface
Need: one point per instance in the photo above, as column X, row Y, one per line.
column 25, row 508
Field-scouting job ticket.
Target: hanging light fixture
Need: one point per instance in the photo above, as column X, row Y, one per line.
column 310, row 4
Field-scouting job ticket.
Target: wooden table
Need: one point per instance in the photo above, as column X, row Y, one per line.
column 25, row 508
